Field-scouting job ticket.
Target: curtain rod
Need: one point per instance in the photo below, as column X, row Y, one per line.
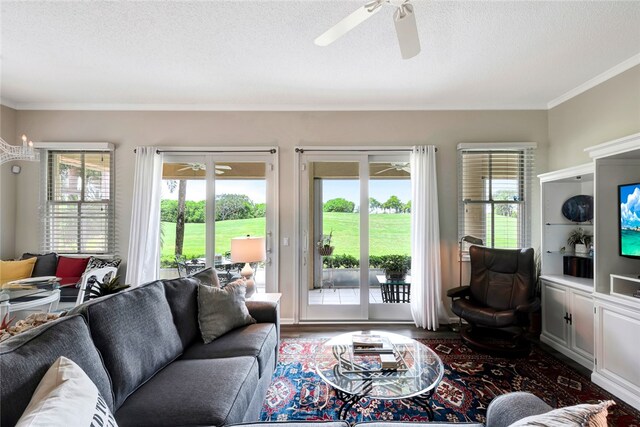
column 271, row 151
column 302, row 150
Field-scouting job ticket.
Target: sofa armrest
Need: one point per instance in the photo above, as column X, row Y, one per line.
column 265, row 312
column 459, row 292
column 507, row 409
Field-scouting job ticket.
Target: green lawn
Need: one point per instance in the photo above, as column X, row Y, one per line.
column 390, row 234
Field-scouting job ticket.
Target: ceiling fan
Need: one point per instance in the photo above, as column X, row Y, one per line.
column 196, row 167
column 404, row 19
column 397, row 166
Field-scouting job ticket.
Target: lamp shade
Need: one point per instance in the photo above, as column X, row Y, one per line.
column 248, row 249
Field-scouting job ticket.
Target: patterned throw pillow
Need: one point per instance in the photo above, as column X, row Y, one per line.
column 222, row 309
column 66, row 396
column 95, row 263
column 584, row 415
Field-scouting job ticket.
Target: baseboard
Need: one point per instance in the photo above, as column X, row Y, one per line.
column 287, row 321
column 615, row 389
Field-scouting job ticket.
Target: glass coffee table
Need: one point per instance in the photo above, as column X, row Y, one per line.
column 415, row 376
column 23, row 294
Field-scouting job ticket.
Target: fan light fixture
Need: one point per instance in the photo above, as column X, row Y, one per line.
column 25, row 151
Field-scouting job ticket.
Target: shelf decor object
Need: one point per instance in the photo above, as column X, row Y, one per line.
column 578, row 208
column 25, row 151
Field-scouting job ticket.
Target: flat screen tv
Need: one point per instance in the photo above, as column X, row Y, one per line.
column 629, row 219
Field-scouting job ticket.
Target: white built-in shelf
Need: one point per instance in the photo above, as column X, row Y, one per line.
column 571, row 224
column 581, row 283
column 624, row 286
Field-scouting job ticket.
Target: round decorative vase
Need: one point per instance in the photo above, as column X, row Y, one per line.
column 326, row 250
column 581, row 249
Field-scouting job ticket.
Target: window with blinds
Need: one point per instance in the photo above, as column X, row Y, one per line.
column 494, row 188
column 79, row 206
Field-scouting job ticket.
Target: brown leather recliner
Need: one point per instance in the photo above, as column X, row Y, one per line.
column 500, row 295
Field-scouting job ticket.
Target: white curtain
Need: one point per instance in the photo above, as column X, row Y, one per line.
column 143, row 259
column 426, row 303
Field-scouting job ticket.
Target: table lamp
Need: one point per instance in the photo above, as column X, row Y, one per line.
column 248, row 249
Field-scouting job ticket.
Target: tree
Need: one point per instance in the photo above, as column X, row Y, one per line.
column 233, row 206
column 182, row 195
column 374, row 204
column 393, row 203
column 339, row 205
column 506, row 209
column 259, row 210
column 407, row 207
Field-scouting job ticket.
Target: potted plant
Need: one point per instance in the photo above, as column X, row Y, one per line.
column 324, row 245
column 580, row 240
column 395, row 267
column 107, row 287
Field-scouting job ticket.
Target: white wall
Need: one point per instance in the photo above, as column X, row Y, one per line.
column 606, row 112
column 8, row 186
column 286, row 130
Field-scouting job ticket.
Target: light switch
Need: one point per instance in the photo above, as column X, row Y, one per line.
column 285, row 241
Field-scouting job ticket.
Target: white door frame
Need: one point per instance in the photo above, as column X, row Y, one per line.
column 271, row 177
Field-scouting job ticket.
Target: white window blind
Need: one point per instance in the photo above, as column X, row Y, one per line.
column 78, row 209
column 494, row 189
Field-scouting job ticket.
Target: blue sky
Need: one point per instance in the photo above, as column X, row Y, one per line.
column 630, row 205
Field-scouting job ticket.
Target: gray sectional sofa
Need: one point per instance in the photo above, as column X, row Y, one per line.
column 143, row 350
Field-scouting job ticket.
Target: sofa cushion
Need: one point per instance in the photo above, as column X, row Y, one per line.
column 46, row 264
column 257, row 340
column 70, row 269
column 135, row 334
column 14, row 270
column 410, row 424
column 221, row 310
column 182, row 295
column 66, row 396
column 25, row 358
column 195, row 392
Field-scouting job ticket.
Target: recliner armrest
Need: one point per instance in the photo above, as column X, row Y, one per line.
column 531, row 307
column 459, row 292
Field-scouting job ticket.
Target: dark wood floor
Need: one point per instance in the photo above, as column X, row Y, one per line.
column 327, row 331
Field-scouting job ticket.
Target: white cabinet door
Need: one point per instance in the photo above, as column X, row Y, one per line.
column 554, row 325
column 581, row 329
column 617, row 336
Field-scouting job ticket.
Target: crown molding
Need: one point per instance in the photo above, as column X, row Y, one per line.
column 8, row 103
column 271, row 107
column 601, row 78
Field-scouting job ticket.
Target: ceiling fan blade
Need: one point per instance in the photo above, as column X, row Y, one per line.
column 219, row 172
column 225, row 167
column 183, row 169
column 406, row 169
column 407, row 30
column 383, row 171
column 347, row 24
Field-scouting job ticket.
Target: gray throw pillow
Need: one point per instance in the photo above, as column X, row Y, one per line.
column 221, row 310
column 208, row 277
column 583, row 415
column 46, row 264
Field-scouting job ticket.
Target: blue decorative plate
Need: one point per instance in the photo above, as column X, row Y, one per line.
column 578, row 208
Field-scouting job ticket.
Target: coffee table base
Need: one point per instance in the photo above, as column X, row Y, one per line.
column 349, row 400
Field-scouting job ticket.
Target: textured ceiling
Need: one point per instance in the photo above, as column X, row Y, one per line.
column 239, row 55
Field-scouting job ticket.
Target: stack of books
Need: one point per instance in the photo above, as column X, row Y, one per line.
column 371, row 344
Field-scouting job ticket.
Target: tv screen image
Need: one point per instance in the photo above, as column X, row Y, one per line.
column 629, row 199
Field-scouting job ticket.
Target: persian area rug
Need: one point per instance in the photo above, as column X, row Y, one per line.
column 471, row 380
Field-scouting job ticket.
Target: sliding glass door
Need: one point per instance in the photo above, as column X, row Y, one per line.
column 209, row 199
column 354, row 211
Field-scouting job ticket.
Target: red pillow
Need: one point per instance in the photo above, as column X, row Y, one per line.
column 71, row 267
